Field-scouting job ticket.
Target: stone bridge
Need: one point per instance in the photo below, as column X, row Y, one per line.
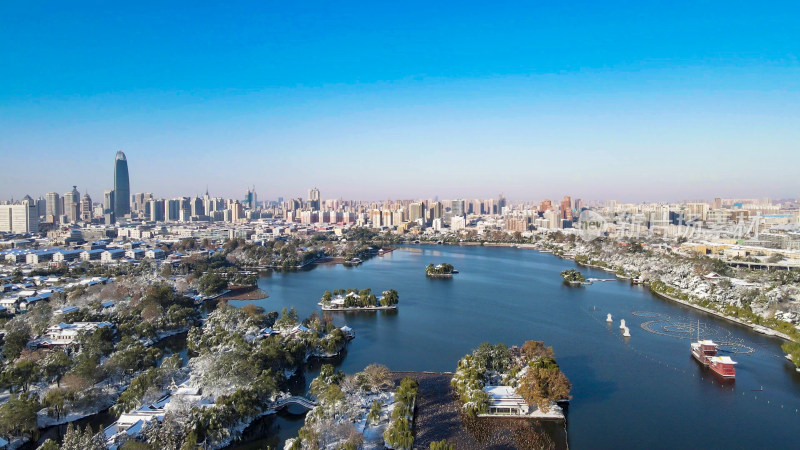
column 295, row 400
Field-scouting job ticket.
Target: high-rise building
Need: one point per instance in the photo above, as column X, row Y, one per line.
column 501, row 203
column 197, row 207
column 21, row 218
column 237, row 212
column 207, row 205
column 250, row 199
column 156, row 210
column 108, row 201
column 72, row 204
column 388, row 218
column 476, row 207
column 458, row 208
column 122, row 186
column 375, row 217
column 86, row 208
column 566, row 208
column 314, row 199
column 172, row 210
column 436, row 210
column 53, row 206
column 41, row 206
column 416, row 211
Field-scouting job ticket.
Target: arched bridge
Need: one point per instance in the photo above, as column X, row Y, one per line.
column 296, row 400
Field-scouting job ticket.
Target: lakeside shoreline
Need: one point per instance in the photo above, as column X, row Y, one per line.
column 754, row 327
column 760, row 329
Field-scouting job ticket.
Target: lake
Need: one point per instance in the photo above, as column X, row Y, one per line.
column 639, row 392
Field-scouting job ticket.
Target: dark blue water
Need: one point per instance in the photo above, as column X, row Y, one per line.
column 641, row 392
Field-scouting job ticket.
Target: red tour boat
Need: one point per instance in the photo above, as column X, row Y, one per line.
column 705, row 351
column 723, row 365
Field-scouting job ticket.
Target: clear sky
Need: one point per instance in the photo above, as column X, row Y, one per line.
column 638, row 100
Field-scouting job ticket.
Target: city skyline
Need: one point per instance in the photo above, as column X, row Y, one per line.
column 636, row 103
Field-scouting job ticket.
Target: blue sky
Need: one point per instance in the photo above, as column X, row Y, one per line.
column 373, row 100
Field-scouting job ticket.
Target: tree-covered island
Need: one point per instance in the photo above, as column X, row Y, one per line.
column 573, row 277
column 443, row 270
column 355, row 299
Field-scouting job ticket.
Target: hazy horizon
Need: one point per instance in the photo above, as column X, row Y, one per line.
column 633, row 102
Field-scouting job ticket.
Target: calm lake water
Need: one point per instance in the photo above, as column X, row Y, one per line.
column 639, row 392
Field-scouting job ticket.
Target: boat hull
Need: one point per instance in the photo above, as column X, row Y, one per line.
column 702, row 359
column 723, row 374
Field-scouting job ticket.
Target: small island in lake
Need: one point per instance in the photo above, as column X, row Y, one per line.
column 443, row 270
column 573, row 277
column 358, row 300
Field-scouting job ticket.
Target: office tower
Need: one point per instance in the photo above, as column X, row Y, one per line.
column 156, row 210
column 172, row 210
column 388, row 218
column 122, row 186
column 207, row 205
column 476, row 207
column 21, row 218
column 197, row 207
column 41, row 206
column 501, row 203
column 86, row 208
column 436, row 210
column 545, row 205
column 108, row 206
column 314, row 199
column 108, row 201
column 399, row 216
column 376, row 218
column 578, row 205
column 250, row 199
column 237, row 212
column 489, row 206
column 72, row 203
column 457, row 207
column 566, row 208
column 53, row 206
column 416, row 211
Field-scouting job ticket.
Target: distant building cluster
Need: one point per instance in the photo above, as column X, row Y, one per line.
column 76, row 222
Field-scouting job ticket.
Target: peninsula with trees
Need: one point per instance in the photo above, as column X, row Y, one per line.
column 497, row 381
column 370, row 409
column 358, row 300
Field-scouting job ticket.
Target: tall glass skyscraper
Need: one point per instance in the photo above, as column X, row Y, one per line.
column 122, row 186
